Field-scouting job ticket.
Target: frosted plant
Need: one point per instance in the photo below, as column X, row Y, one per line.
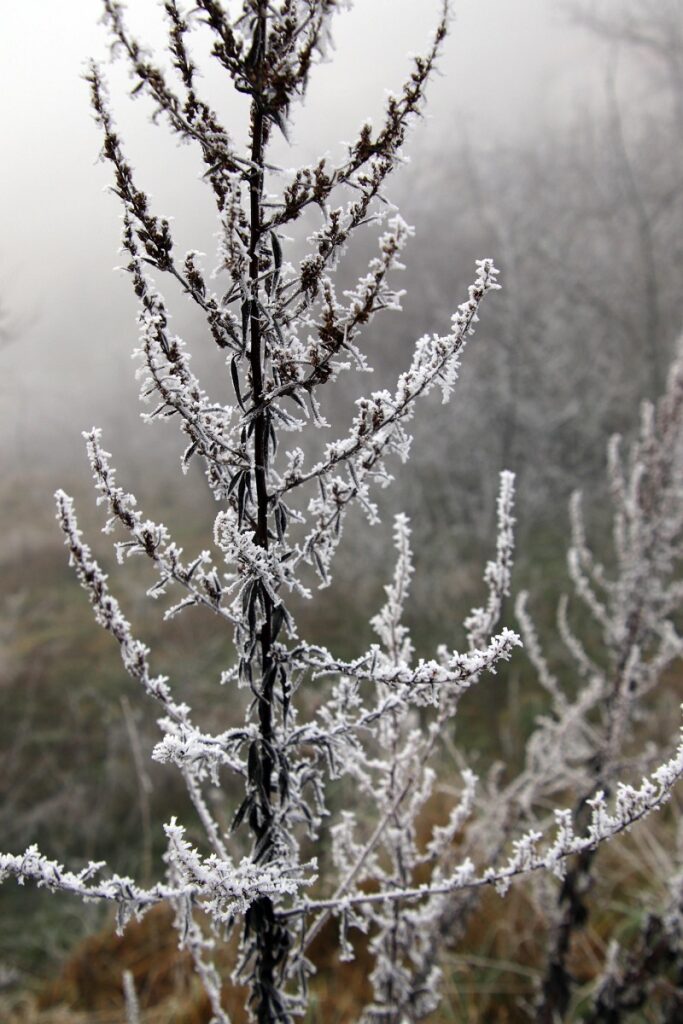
column 589, row 736
column 285, row 333
column 631, row 977
column 588, row 739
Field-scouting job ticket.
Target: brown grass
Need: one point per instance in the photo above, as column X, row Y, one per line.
column 88, row 987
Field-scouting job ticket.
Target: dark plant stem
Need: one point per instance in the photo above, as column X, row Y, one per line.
column 558, row 983
column 268, row 937
column 646, row 967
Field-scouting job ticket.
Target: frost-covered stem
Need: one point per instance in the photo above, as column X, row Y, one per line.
column 412, row 385
column 192, row 938
column 573, row 909
column 131, row 999
column 270, row 940
column 211, row 827
column 639, row 639
column 630, row 977
column 557, row 984
column 346, row 883
column 632, row 806
column 572, row 913
column 392, row 944
column 255, row 354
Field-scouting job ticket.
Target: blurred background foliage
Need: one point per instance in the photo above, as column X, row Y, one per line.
column 585, row 220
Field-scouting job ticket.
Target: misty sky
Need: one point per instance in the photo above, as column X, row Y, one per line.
column 509, row 67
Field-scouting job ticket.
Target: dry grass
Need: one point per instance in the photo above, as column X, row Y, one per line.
column 88, row 987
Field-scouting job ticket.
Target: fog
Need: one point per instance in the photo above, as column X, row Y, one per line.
column 509, row 70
